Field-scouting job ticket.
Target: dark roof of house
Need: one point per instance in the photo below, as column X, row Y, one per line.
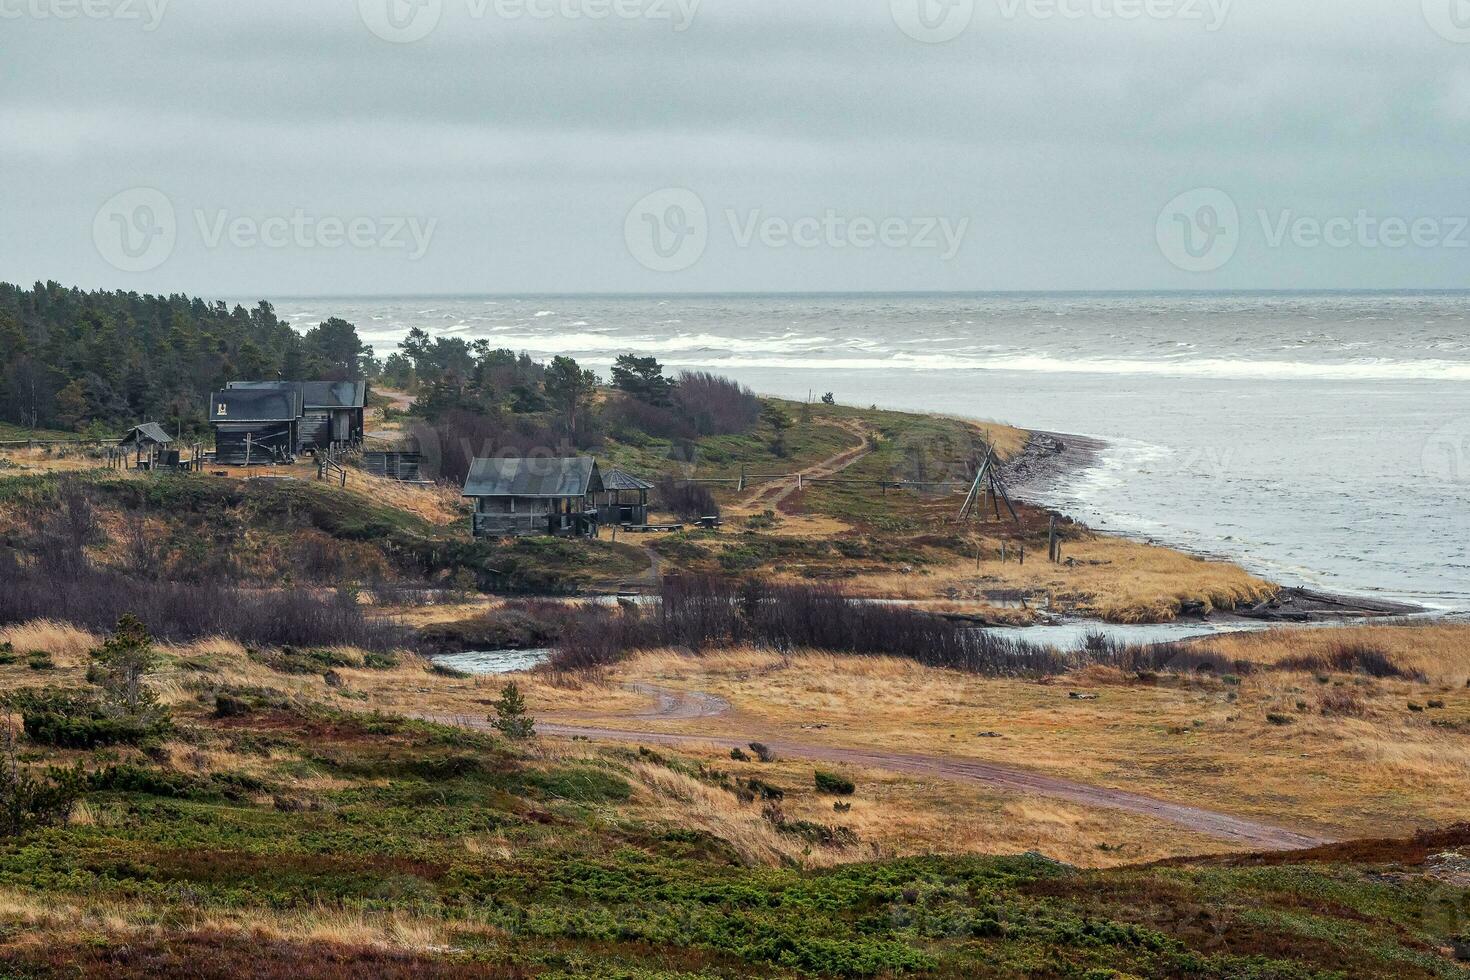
column 255, row 405
column 533, row 478
column 145, row 433
column 620, row 480
column 314, row 394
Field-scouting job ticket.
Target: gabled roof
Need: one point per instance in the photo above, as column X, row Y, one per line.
column 533, row 478
column 334, row 394
column 314, row 394
column 621, row 480
column 254, row 405
column 147, row 432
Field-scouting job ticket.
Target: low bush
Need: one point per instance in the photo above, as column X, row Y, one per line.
column 290, row 660
column 716, row 406
column 27, row 801
column 1349, row 657
column 688, row 501
column 1342, row 702
column 97, row 599
column 707, row 612
column 77, row 720
column 833, row 784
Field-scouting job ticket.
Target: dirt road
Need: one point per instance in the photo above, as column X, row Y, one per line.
column 670, row 705
column 771, row 495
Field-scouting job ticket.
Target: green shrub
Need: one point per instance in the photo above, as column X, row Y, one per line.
column 29, row 802
column 380, row 661
column 137, row 779
column 512, row 718
column 833, row 784
column 75, row 720
column 290, row 660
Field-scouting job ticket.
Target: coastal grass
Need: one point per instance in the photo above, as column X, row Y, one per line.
column 1202, row 739
column 1109, row 578
column 311, row 833
column 1436, row 650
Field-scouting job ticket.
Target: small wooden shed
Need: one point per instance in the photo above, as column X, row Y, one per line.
column 624, row 499
column 530, row 497
column 146, row 441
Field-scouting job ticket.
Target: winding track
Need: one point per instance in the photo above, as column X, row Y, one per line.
column 670, row 705
column 773, row 494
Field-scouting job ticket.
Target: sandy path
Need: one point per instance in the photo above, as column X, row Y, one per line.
column 771, row 495
column 670, row 705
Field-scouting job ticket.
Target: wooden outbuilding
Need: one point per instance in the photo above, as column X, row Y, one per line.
column 532, row 497
column 148, row 443
column 333, row 413
column 255, row 425
column 624, row 499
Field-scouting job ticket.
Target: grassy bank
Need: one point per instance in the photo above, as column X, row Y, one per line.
column 285, row 828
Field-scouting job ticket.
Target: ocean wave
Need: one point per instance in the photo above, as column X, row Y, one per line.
column 1372, row 370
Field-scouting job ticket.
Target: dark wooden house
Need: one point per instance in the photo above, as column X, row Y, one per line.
column 624, row 499
column 528, row 497
column 333, row 413
column 255, row 425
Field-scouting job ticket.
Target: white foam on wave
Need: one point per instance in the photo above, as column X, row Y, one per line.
column 1370, row 370
column 592, row 341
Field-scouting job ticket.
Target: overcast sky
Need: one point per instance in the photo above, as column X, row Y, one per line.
column 323, row 147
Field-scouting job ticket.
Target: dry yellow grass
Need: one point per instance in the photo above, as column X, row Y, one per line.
column 1439, row 651
column 894, row 814
column 66, row 644
column 60, row 460
column 1374, row 770
column 1198, row 741
column 50, row 919
column 1110, row 577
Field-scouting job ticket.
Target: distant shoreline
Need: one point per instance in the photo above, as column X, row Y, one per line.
column 1052, row 457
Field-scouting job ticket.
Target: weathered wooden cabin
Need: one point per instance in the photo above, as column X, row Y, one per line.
column 530, row 497
column 255, row 425
column 624, row 499
column 333, row 413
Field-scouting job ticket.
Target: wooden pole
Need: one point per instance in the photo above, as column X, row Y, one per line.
column 1051, row 539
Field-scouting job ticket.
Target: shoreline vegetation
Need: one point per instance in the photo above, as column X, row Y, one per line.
column 782, row 748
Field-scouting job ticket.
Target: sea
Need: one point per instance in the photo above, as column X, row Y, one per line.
column 1319, row 439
